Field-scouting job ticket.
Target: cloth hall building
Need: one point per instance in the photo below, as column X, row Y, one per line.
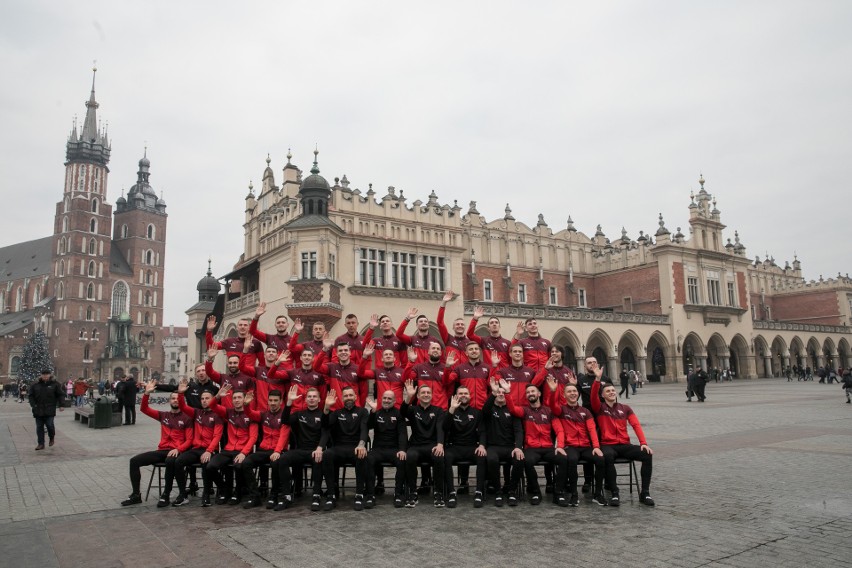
column 657, row 303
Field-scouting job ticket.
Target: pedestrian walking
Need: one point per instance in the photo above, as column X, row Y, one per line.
column 45, row 396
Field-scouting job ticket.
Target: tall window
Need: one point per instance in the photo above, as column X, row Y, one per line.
column 95, row 204
column 581, row 298
column 60, row 291
column 62, row 268
column 148, row 277
column 309, row 265
column 93, row 226
column 92, row 246
column 87, row 353
column 119, row 298
column 151, row 231
column 433, row 273
column 332, row 266
column 89, row 313
column 714, row 293
column 15, row 367
column 732, row 297
column 149, row 257
column 488, row 290
column 552, row 296
column 692, row 286
column 90, row 291
column 371, row 267
column 522, row 293
column 91, row 271
column 403, row 270
column 124, row 231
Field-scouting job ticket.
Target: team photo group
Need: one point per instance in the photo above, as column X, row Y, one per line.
column 308, row 413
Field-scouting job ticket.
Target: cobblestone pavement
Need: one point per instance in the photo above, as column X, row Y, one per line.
column 756, row 476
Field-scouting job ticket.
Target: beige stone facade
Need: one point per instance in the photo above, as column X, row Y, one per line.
column 657, row 303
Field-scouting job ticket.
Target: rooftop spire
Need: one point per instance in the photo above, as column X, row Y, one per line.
column 315, row 169
column 91, row 145
column 90, row 125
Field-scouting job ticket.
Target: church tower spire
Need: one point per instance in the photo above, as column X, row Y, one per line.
column 91, row 145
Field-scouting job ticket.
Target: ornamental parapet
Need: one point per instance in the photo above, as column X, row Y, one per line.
column 564, row 314
column 791, row 326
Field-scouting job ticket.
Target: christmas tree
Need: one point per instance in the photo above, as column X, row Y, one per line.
column 36, row 357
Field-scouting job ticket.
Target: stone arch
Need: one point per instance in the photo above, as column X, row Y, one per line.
column 570, row 343
column 762, row 357
column 693, row 352
column 717, row 351
column 814, row 351
column 798, row 355
column 843, row 353
column 739, row 353
column 600, row 346
column 231, row 331
column 658, row 350
column 780, row 356
column 630, row 350
column 829, row 353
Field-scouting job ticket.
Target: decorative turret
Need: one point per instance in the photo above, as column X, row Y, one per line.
column 141, row 194
column 91, row 145
column 315, row 192
column 208, row 287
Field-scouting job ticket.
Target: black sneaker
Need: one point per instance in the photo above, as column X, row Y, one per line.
column 205, row 499
column 451, row 501
column 614, row 501
column 573, row 500
column 478, row 500
column 560, row 500
column 134, row 499
column 284, row 502
column 380, row 488
column 587, row 488
column 439, row 502
column 535, row 498
column 411, row 502
column 398, row 502
column 464, row 488
column 235, row 499
column 315, row 502
column 271, row 501
column 252, row 503
column 498, row 500
column 359, row 503
column 645, row 499
column 163, row 502
column 180, row 500
column 599, row 499
column 369, row 502
column 222, row 499
column 330, row 503
column 513, row 501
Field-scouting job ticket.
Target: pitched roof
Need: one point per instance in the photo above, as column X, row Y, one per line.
column 27, row 259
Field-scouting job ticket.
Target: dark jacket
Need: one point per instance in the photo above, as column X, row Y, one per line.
column 45, row 397
column 126, row 392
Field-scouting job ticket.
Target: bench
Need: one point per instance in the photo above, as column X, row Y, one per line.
column 84, row 415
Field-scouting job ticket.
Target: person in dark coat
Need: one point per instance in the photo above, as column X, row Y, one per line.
column 126, row 394
column 45, row 396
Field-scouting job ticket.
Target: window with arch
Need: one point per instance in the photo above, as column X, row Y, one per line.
column 61, row 248
column 87, row 353
column 149, row 257
column 90, row 291
column 67, row 205
column 37, row 294
column 15, row 366
column 147, row 319
column 93, row 226
column 119, row 298
column 124, row 231
column 91, row 270
column 89, row 313
column 19, row 299
column 62, row 268
column 147, row 298
column 81, row 178
column 60, row 291
column 65, row 224
column 151, row 232
column 93, row 246
column 148, row 277
column 95, row 334
column 95, row 202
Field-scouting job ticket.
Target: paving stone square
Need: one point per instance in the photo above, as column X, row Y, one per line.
column 759, row 475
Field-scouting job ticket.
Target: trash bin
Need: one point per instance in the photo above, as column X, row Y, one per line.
column 103, row 413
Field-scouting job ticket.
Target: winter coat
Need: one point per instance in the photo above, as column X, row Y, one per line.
column 44, row 397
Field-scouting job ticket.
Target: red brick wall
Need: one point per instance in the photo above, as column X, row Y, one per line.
column 642, row 285
column 818, row 307
column 741, row 289
column 679, row 283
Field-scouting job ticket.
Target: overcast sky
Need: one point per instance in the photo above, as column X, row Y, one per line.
column 607, row 111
